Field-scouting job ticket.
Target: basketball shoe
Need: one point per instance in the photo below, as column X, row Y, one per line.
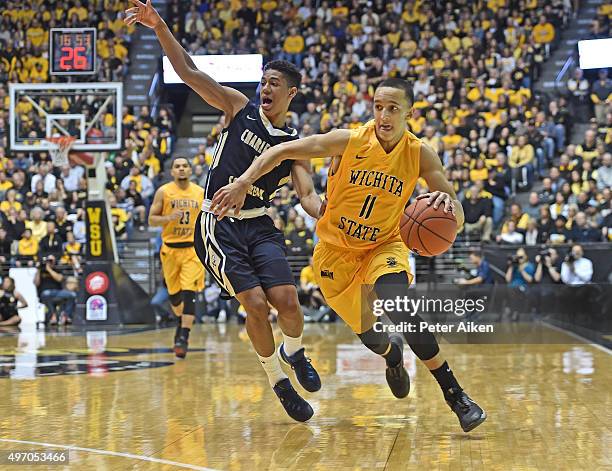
column 469, row 413
column 297, row 408
column 304, row 371
column 397, row 376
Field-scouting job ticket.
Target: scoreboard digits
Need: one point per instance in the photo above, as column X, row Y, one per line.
column 73, row 51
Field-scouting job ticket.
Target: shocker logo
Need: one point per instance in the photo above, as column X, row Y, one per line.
column 327, row 274
column 391, row 261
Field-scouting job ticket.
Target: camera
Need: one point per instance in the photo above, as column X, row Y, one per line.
column 570, row 258
column 544, row 253
column 514, row 259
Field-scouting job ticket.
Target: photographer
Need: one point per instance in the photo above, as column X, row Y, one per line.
column 483, row 274
column 520, row 270
column 10, row 303
column 576, row 269
column 548, row 267
column 49, row 285
column 547, row 274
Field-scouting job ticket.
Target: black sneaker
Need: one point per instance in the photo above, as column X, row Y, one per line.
column 177, row 331
column 397, row 376
column 297, row 408
column 304, row 371
column 469, row 413
column 181, row 346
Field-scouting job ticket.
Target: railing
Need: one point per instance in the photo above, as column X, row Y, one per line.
column 559, row 79
column 138, row 259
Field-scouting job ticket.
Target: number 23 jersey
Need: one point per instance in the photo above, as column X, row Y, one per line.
column 369, row 190
column 186, row 201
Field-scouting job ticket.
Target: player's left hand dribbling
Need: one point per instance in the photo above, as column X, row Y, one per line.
column 229, row 197
column 437, row 198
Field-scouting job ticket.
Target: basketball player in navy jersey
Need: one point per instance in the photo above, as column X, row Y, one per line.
column 245, row 253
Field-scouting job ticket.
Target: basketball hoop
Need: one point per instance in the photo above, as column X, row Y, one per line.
column 59, row 148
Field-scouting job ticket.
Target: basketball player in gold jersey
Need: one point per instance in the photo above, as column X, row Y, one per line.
column 374, row 171
column 175, row 207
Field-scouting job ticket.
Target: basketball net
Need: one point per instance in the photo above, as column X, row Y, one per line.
column 59, row 148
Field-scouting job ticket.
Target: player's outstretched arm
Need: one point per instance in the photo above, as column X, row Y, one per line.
column 304, row 187
column 320, row 145
column 441, row 190
column 226, row 99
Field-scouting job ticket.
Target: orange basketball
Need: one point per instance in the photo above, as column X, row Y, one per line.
column 427, row 231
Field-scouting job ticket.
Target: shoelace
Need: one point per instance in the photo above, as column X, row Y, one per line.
column 396, row 371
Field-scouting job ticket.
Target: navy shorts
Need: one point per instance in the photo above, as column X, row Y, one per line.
column 242, row 253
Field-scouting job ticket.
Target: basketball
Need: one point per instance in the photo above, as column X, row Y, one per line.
column 427, row 231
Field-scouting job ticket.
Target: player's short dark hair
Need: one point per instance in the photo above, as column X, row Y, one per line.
column 400, row 84
column 179, row 157
column 290, row 71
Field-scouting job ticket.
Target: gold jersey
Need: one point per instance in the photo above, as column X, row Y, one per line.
column 369, row 190
column 187, row 201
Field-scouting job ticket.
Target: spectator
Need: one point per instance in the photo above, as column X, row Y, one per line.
column 521, row 162
column 532, row 234
column 545, row 225
column 36, row 224
column 517, row 216
column 5, row 247
column 533, row 207
column 311, row 293
column 576, row 269
column 47, row 178
column 10, row 303
column 546, row 195
column 137, row 204
column 604, row 172
column 52, row 243
column 300, row 240
column 72, row 252
column 578, row 88
column 478, row 215
column 601, row 96
column 543, row 34
column 27, row 249
column 581, row 231
column 510, row 236
column 483, row 274
column 560, row 234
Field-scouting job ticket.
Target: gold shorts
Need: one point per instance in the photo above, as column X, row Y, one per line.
column 347, row 277
column 182, row 269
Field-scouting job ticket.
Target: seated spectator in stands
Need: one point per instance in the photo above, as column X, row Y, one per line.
column 52, row 243
column 138, row 205
column 43, row 175
column 520, row 270
column 483, row 274
column 601, row 96
column 559, row 207
column 10, row 303
column 556, row 179
column 301, row 240
column 546, row 194
column 496, row 186
column 36, row 224
column 581, row 230
column 143, row 184
column 545, row 224
column 517, row 216
column 311, row 293
column 559, row 234
column 478, row 215
column 533, row 207
column 522, row 163
column 576, row 269
column 604, row 172
column 72, row 252
column 10, row 201
column 199, row 175
column 15, row 224
column 578, row 87
column 588, row 149
column 27, row 250
column 532, row 234
column 62, row 223
column 5, row 246
column 510, row 235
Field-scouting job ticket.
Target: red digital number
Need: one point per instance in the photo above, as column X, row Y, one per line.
column 65, row 61
column 73, row 58
column 80, row 61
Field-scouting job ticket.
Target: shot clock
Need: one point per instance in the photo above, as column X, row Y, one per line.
column 73, row 51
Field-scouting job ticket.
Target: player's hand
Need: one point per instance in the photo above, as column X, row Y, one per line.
column 143, row 13
column 437, row 198
column 323, row 208
column 229, row 197
column 174, row 216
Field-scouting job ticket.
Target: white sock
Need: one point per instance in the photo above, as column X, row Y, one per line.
column 272, row 367
column 291, row 344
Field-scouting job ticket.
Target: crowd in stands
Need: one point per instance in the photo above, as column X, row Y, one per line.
column 473, row 66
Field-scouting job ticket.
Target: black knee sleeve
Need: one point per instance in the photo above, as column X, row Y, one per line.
column 423, row 344
column 378, row 342
column 176, row 298
column 189, row 299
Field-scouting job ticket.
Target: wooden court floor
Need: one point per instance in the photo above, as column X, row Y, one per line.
column 132, row 407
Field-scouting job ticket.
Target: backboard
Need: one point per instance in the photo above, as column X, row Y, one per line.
column 90, row 112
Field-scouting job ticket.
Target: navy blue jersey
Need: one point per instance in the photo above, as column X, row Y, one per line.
column 248, row 136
